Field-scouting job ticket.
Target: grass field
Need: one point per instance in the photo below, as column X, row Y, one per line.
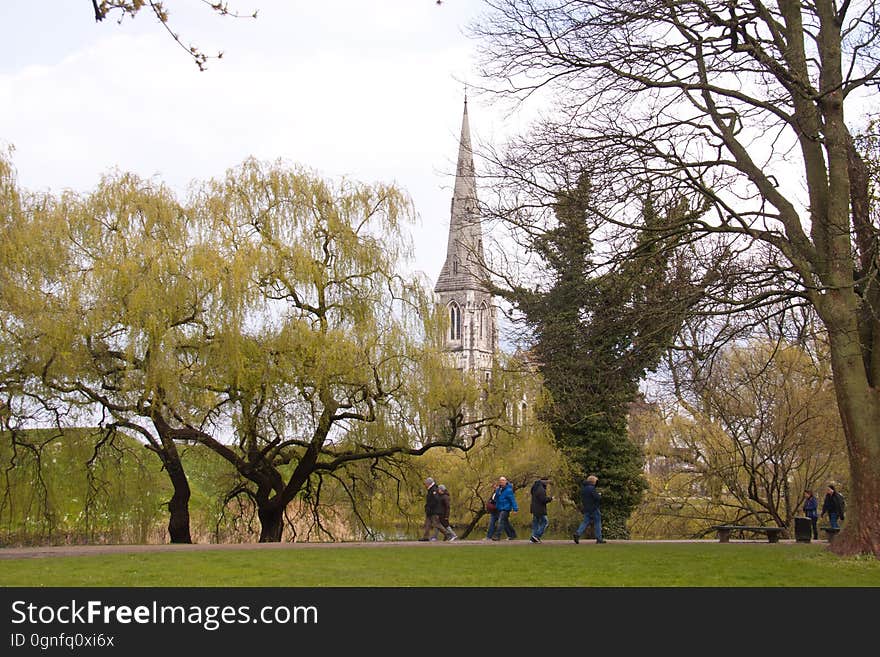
column 617, row 564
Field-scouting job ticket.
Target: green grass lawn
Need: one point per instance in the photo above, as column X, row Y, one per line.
column 461, row 565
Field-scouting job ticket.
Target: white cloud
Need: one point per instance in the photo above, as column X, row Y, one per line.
column 369, row 90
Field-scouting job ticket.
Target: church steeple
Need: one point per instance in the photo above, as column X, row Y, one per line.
column 465, row 180
column 461, row 291
column 464, row 248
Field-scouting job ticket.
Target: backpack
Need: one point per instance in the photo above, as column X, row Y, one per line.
column 842, row 503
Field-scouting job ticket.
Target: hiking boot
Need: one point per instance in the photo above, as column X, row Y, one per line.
column 577, row 539
column 453, row 538
column 534, row 539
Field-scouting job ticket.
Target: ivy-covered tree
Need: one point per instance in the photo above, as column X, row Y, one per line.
column 595, row 334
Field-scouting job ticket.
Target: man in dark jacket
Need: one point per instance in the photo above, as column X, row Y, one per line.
column 540, row 499
column 833, row 506
column 433, row 508
column 590, row 499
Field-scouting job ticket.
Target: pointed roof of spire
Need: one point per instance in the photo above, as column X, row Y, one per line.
column 465, row 183
column 464, row 250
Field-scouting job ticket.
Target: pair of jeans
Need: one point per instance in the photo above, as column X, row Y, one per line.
column 539, row 525
column 591, row 518
column 832, row 518
column 814, row 522
column 504, row 525
column 493, row 522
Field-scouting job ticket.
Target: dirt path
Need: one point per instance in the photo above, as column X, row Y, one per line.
column 87, row 550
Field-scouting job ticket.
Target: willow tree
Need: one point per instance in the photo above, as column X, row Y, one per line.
column 320, row 349
column 745, row 106
column 103, row 303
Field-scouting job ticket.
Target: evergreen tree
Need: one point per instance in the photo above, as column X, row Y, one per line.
column 595, row 334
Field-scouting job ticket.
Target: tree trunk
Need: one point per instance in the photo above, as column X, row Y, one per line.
column 271, row 516
column 178, row 508
column 859, row 406
column 178, row 505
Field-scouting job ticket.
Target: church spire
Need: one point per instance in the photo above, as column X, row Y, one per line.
column 464, row 249
column 465, row 181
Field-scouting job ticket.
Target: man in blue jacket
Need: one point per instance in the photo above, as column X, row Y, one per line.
column 590, row 498
column 506, row 503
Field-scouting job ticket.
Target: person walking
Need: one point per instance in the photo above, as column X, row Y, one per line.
column 443, row 495
column 590, row 498
column 506, row 503
column 833, row 506
column 433, row 506
column 538, row 508
column 492, row 510
column 811, row 511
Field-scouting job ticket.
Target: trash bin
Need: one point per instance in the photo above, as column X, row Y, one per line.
column 803, row 530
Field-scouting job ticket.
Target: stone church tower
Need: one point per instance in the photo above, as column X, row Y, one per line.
column 471, row 331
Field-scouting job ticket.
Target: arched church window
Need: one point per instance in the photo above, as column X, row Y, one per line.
column 454, row 321
column 455, row 266
column 484, row 313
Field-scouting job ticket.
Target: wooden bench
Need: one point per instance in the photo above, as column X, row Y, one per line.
column 830, row 532
column 724, row 532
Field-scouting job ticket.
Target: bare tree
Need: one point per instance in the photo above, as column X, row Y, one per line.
column 742, row 105
column 746, row 438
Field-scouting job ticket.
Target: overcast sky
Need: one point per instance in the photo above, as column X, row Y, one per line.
column 368, row 89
